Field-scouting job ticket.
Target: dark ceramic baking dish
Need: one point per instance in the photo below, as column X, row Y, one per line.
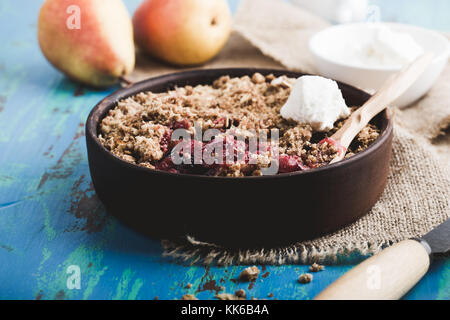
column 241, row 212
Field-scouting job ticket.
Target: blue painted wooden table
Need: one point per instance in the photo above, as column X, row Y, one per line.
column 50, row 218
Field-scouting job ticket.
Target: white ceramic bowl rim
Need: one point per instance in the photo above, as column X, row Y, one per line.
column 313, row 47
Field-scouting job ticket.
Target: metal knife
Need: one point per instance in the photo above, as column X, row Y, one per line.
column 391, row 273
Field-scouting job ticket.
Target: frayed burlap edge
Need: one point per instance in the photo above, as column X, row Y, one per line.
column 195, row 252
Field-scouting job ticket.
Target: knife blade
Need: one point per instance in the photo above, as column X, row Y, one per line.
column 391, row 273
column 439, row 238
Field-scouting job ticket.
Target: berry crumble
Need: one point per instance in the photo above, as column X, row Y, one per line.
column 139, row 129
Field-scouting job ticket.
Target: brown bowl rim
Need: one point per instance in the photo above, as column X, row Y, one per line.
column 112, row 99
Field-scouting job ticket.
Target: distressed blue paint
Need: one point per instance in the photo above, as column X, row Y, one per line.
column 44, row 181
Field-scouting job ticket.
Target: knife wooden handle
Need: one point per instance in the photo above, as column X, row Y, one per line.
column 393, row 88
column 387, row 275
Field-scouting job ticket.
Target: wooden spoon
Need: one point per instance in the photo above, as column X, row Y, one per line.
column 393, row 88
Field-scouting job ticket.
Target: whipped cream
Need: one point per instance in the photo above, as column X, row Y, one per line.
column 381, row 47
column 317, row 101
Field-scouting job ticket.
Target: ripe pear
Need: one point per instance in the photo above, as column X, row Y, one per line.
column 182, row 32
column 91, row 41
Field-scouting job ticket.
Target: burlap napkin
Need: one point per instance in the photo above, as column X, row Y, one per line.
column 280, row 30
column 430, row 116
column 417, row 196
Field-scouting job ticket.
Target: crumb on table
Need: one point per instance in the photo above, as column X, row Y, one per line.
column 305, row 278
column 241, row 293
column 315, row 267
column 249, row 274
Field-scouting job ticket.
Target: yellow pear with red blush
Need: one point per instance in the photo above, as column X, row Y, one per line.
column 182, row 32
column 91, row 41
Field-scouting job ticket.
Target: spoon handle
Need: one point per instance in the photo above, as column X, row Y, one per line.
column 393, row 88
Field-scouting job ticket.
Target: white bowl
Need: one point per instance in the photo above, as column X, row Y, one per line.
column 326, row 44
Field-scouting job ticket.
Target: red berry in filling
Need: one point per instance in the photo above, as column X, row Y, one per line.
column 183, row 124
column 235, row 149
column 222, row 123
column 290, row 164
column 165, row 141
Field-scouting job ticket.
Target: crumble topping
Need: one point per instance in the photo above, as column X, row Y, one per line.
column 139, row 128
column 249, row 274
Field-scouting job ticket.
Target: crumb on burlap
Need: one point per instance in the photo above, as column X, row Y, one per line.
column 305, row 278
column 315, row 267
column 189, row 297
column 241, row 294
column 249, row 274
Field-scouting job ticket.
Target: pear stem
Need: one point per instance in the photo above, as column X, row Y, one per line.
column 125, row 82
